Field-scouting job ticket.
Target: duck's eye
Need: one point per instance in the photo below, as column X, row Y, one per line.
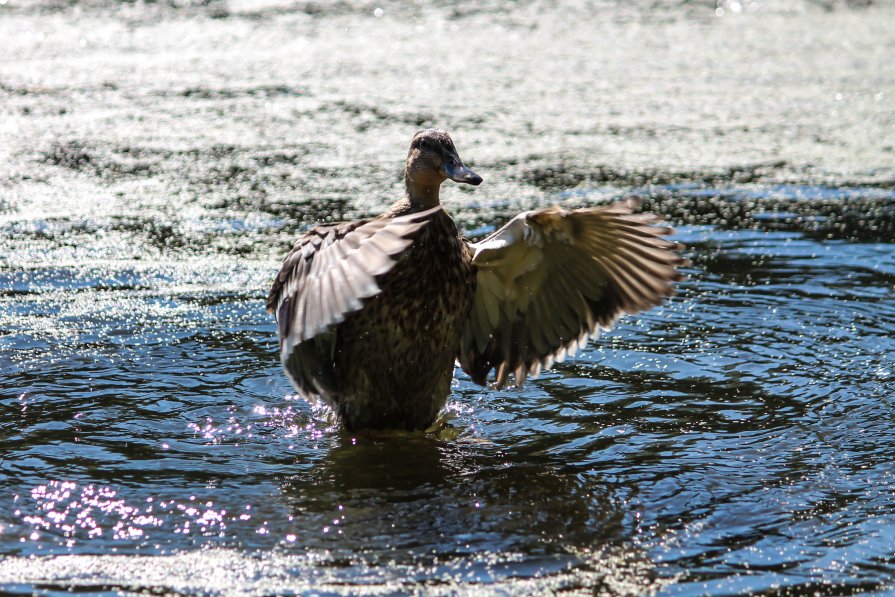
column 424, row 144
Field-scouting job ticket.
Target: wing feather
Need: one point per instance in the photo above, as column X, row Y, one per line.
column 326, row 276
column 551, row 279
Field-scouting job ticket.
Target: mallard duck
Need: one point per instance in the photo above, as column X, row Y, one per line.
column 372, row 314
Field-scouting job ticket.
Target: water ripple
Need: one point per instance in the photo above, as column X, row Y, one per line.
column 737, row 436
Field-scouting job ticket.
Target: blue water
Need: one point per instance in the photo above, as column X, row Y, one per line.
column 736, row 439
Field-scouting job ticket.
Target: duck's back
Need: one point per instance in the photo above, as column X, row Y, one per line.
column 394, row 359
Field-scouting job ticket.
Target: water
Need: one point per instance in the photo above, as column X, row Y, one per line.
column 159, row 159
column 738, row 437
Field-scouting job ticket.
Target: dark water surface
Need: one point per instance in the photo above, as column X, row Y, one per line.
column 160, row 158
column 739, row 437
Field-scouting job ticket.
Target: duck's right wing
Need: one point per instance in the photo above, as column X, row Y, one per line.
column 331, row 269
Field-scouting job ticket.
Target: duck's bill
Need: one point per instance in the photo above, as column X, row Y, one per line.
column 460, row 173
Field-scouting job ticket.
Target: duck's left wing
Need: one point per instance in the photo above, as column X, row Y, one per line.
column 552, row 278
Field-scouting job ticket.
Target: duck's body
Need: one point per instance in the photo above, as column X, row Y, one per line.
column 373, row 314
column 414, row 323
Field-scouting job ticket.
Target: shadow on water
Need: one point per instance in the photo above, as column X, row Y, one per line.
column 463, row 512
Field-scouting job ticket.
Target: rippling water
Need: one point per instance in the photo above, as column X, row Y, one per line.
column 737, row 438
column 158, row 159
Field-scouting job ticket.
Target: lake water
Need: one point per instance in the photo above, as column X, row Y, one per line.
column 738, row 439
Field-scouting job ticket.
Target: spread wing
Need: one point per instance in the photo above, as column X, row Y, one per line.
column 326, row 276
column 552, row 278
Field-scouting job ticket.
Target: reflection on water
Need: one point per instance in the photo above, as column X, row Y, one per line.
column 738, row 438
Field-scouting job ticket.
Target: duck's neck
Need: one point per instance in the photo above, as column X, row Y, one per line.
column 422, row 194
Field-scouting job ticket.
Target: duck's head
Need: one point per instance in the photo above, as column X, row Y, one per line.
column 432, row 159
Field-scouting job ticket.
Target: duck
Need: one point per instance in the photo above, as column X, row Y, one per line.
column 373, row 314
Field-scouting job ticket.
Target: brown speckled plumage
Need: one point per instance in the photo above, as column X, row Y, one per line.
column 415, row 324
column 373, row 314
